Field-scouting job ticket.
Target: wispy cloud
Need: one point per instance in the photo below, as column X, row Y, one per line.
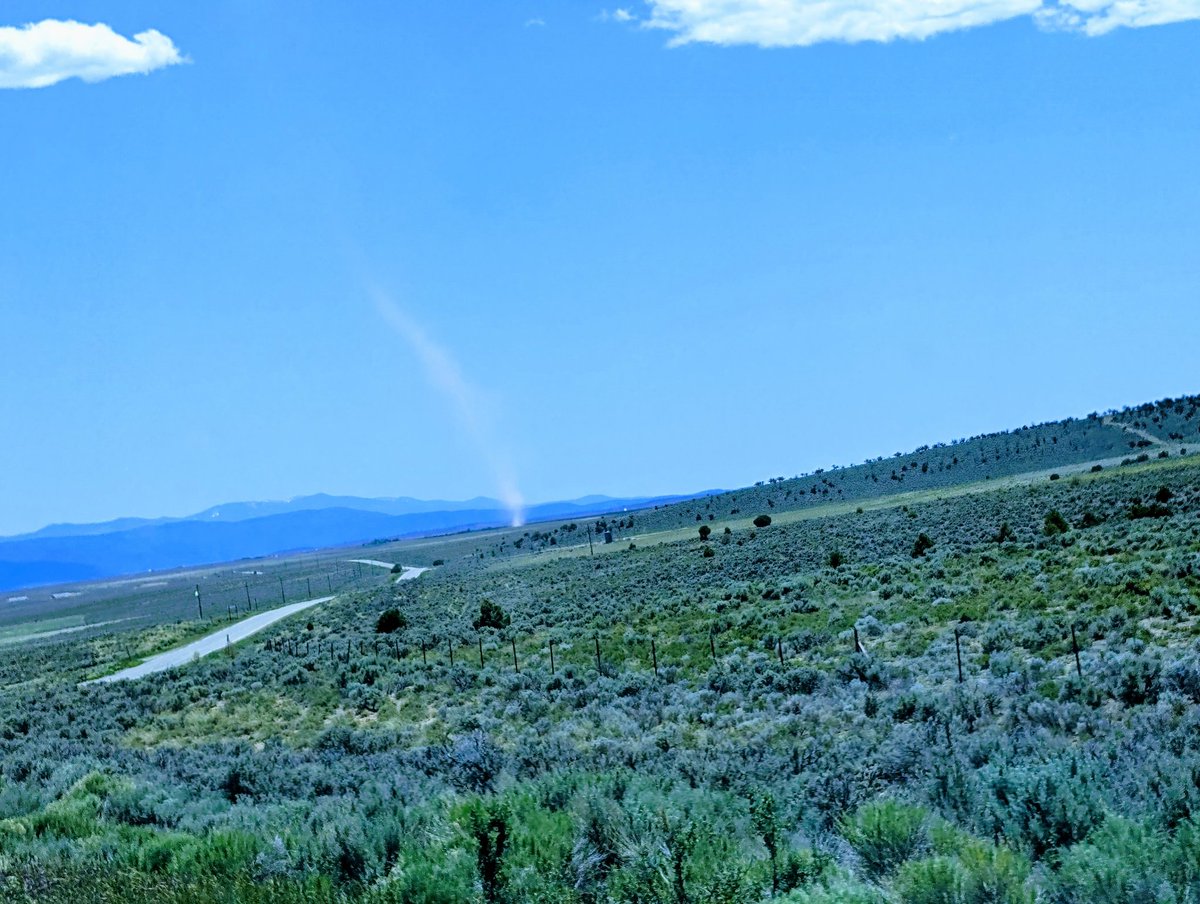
column 44, row 53
column 535, row 22
column 800, row 23
column 469, row 406
column 620, row 14
column 1097, row 17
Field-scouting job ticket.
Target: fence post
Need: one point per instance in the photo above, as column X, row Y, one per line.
column 551, row 657
column 779, row 647
column 480, row 651
column 958, row 654
column 1075, row 650
column 597, row 639
column 654, row 656
column 516, row 665
column 450, row 647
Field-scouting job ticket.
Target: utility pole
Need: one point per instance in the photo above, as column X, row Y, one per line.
column 199, row 604
column 282, row 595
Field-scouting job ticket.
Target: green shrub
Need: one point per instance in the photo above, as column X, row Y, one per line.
column 1121, row 862
column 491, row 616
column 427, row 877
column 922, row 545
column 390, row 620
column 1055, row 524
column 885, row 833
column 762, row 521
column 935, row 880
column 1153, row 510
column 488, row 826
column 838, row 891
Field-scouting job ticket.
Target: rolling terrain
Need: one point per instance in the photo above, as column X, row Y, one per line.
column 969, row 673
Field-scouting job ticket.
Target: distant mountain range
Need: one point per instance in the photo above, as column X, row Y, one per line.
column 64, row 553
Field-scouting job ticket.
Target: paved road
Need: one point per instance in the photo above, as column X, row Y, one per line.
column 410, row 572
column 210, row 644
column 375, row 562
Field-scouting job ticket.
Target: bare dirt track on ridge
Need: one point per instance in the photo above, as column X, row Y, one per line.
column 1136, row 431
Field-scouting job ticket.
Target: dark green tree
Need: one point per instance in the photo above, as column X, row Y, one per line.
column 1055, row 524
column 491, row 616
column 390, row 620
column 922, row 546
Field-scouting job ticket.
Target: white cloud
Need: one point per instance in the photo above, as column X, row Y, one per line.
column 1097, row 17
column 45, row 53
column 535, row 23
column 800, row 23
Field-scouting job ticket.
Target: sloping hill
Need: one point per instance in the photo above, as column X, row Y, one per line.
column 1042, row 447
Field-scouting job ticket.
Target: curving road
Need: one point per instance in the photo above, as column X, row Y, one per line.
column 388, row 565
column 410, row 572
column 218, row 640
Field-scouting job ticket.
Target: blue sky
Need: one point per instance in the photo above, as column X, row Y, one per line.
column 444, row 249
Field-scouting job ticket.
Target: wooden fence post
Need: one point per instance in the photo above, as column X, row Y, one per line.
column 654, row 656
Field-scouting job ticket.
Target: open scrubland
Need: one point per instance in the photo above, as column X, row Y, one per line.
column 965, row 674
